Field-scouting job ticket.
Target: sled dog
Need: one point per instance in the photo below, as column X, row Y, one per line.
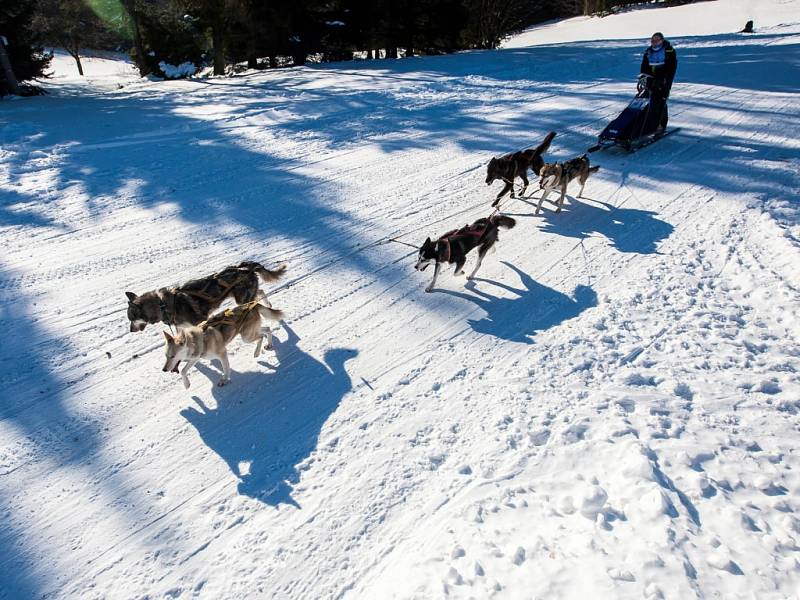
column 509, row 167
column 558, row 175
column 210, row 338
column 454, row 246
column 192, row 302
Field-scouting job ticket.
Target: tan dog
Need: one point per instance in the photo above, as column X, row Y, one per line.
column 211, row 338
column 555, row 175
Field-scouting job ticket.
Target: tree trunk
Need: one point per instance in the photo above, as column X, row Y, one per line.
column 219, row 53
column 5, row 62
column 72, row 46
column 252, row 58
column 391, row 52
column 141, row 62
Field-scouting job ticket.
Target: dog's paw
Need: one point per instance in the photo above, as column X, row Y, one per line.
column 461, row 272
column 223, row 381
column 186, row 383
column 429, row 289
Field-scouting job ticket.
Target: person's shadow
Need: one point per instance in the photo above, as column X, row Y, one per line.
column 534, row 308
column 265, row 425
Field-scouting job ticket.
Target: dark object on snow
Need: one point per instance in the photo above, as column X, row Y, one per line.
column 507, row 168
column 748, row 27
column 192, row 302
column 647, row 114
column 641, row 120
column 8, row 73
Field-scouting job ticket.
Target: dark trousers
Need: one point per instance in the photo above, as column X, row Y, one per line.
column 658, row 102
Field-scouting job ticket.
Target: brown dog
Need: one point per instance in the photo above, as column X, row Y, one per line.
column 555, row 175
column 192, row 302
column 509, row 167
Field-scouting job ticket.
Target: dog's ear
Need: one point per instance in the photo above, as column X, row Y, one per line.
column 170, row 339
column 131, row 296
column 427, row 242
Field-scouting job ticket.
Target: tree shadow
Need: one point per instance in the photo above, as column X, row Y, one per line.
column 264, row 438
column 54, row 430
column 628, row 229
column 533, row 309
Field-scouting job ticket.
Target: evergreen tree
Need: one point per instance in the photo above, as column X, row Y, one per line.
column 24, row 44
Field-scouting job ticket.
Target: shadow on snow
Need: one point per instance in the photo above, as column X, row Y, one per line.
column 264, row 438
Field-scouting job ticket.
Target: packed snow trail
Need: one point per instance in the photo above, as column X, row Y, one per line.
column 609, row 409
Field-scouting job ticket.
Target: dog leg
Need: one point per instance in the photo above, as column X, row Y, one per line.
column 542, row 199
column 258, row 347
column 561, row 200
column 583, row 185
column 524, row 185
column 503, row 192
column 267, row 332
column 189, row 364
column 226, row 369
column 435, row 275
column 481, row 254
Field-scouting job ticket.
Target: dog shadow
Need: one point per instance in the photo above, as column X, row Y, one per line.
column 534, row 308
column 628, row 229
column 266, row 424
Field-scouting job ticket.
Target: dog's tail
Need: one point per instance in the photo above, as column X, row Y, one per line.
column 269, row 313
column 265, row 274
column 543, row 147
column 503, row 221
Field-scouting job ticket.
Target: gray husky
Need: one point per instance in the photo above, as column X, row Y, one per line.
column 211, row 338
column 558, row 175
column 192, row 302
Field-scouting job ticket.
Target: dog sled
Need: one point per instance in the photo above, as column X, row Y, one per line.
column 639, row 124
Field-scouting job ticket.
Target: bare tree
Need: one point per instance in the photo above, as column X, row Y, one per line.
column 72, row 25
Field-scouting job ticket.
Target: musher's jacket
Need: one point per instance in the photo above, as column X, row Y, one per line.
column 661, row 63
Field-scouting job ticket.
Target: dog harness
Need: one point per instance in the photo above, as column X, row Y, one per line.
column 473, row 230
column 168, row 314
column 229, row 317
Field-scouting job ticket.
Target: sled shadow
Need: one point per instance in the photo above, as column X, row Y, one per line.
column 628, row 229
column 534, row 308
column 266, row 424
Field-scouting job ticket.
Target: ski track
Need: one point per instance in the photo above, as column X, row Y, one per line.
column 622, row 376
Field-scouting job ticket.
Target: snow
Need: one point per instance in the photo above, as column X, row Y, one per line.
column 185, row 69
column 610, row 410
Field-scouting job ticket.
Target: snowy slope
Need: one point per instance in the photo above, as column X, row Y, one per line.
column 610, row 410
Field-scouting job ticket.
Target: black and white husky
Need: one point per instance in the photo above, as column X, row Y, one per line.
column 454, row 246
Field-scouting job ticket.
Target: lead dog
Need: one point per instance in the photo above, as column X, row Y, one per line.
column 211, row 338
column 509, row 167
column 192, row 302
column 555, row 175
column 454, row 246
